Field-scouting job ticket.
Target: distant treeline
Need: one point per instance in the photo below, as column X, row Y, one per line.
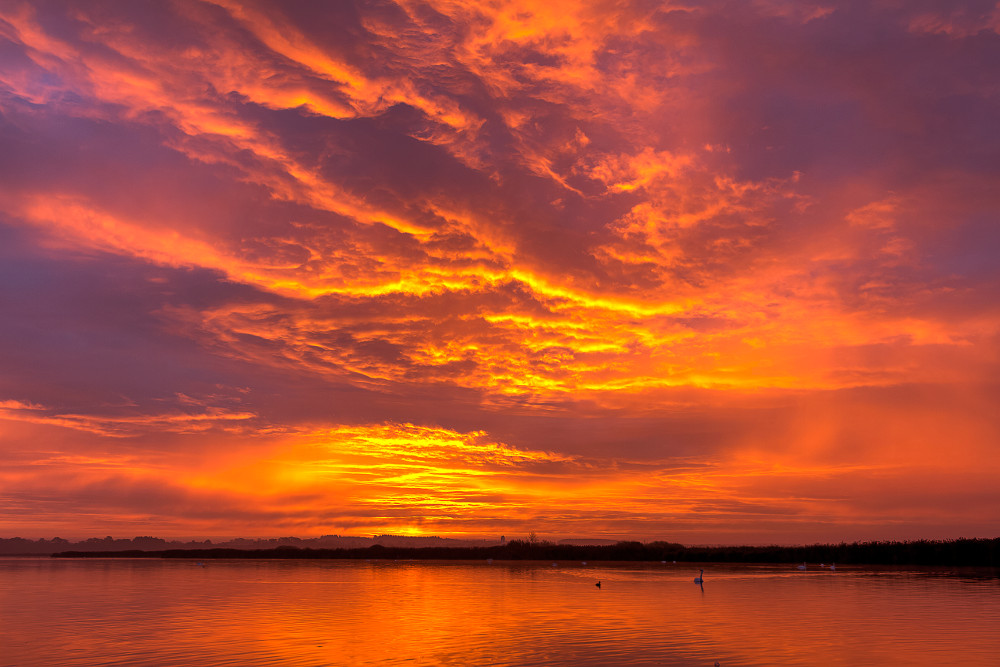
column 19, row 546
column 960, row 552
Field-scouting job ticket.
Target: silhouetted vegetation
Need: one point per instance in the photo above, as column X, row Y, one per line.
column 19, row 546
column 960, row 552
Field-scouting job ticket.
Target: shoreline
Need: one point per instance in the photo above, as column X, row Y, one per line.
column 952, row 553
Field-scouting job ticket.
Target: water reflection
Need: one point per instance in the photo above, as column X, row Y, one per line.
column 59, row 612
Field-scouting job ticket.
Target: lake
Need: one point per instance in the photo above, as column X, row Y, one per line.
column 339, row 612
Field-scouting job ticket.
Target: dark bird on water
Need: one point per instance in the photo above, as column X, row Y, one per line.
column 598, row 584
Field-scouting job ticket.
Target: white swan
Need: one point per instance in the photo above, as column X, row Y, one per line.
column 699, row 579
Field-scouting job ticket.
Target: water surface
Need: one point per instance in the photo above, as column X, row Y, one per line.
column 328, row 612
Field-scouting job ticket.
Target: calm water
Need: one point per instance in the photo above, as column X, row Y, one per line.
column 155, row 612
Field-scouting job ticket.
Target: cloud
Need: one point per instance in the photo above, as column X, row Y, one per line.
column 617, row 234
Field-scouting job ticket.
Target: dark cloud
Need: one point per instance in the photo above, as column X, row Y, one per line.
column 726, row 263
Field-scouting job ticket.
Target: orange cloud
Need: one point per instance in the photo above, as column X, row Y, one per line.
column 450, row 266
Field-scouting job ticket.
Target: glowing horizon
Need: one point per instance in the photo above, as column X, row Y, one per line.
column 701, row 273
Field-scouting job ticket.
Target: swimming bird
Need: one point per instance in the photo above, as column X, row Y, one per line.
column 802, row 567
column 700, row 578
column 833, row 566
column 598, row 584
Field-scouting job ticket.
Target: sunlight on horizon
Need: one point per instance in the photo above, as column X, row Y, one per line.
column 705, row 274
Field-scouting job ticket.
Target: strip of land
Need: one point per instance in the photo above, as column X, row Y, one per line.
column 976, row 552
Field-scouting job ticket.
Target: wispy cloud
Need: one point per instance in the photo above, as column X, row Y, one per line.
column 513, row 252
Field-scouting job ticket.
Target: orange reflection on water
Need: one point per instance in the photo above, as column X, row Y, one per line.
column 391, row 612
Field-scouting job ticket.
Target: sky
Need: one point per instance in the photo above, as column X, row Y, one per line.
column 710, row 272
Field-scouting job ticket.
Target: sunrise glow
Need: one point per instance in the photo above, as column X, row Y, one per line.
column 699, row 272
